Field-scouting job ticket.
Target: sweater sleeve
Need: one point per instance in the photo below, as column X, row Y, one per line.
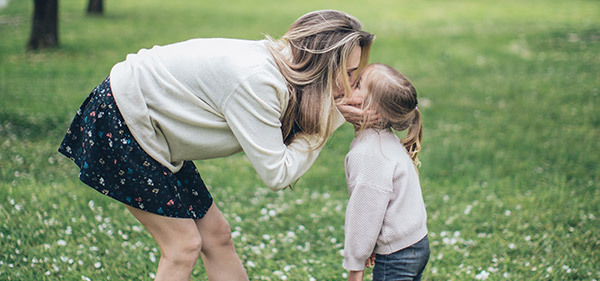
column 370, row 187
column 253, row 113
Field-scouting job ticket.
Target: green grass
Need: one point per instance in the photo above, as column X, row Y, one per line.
column 509, row 91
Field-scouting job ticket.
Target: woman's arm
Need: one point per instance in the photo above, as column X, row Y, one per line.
column 253, row 114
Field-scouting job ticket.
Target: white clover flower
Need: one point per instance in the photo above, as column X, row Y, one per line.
column 251, row 264
column 61, row 242
column 97, row 265
column 483, row 275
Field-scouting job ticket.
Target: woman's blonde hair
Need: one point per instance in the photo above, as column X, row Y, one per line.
column 310, row 56
column 394, row 98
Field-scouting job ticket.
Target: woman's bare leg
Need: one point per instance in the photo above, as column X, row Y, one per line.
column 179, row 241
column 218, row 252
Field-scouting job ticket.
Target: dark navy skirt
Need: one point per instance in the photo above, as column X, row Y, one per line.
column 113, row 163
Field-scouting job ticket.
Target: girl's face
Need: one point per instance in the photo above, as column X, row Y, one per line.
column 351, row 66
column 360, row 85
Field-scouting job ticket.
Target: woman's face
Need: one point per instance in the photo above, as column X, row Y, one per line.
column 351, row 66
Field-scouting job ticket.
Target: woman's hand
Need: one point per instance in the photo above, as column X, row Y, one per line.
column 354, row 114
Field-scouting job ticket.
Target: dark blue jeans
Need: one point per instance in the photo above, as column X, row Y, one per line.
column 406, row 264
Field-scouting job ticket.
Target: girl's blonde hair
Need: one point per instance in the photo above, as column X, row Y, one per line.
column 310, row 56
column 394, row 98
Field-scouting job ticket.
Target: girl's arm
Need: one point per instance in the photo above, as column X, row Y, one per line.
column 370, row 184
column 355, row 275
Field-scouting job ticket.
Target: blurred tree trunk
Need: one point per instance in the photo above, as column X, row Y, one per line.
column 44, row 30
column 95, row 7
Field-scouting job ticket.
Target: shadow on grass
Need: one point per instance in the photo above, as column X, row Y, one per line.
column 16, row 125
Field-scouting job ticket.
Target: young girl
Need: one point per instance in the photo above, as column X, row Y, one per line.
column 136, row 135
column 385, row 216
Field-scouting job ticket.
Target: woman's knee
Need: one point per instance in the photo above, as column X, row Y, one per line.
column 221, row 233
column 183, row 251
column 214, row 229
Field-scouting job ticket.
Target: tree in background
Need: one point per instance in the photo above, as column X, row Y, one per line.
column 95, row 7
column 44, row 30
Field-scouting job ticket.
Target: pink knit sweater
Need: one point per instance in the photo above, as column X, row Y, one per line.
column 385, row 212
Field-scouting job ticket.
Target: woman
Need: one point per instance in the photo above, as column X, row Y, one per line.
column 136, row 135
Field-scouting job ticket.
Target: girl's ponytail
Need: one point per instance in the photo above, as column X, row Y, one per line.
column 413, row 139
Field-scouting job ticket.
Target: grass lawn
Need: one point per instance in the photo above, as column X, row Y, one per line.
column 509, row 91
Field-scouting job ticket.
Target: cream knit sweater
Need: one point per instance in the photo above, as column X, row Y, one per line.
column 385, row 212
column 207, row 98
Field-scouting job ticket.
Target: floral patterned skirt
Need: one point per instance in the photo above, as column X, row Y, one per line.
column 113, row 163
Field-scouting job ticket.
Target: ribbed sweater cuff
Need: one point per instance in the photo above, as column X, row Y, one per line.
column 351, row 263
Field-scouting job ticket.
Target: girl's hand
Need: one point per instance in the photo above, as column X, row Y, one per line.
column 353, row 113
column 370, row 261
